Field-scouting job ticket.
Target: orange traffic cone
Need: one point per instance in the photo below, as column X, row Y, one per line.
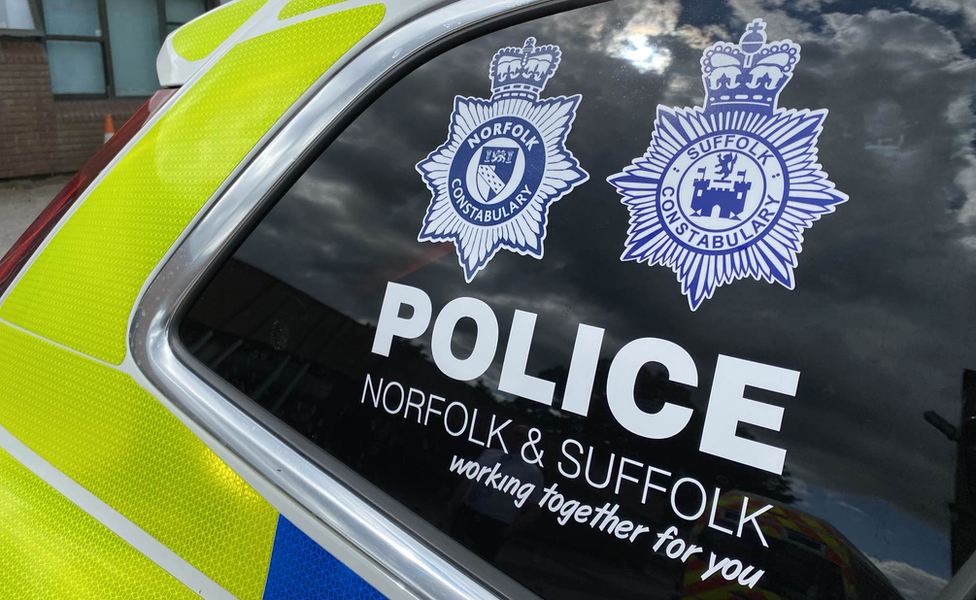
column 109, row 128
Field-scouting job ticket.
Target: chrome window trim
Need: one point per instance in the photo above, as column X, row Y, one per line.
column 962, row 586
column 158, row 353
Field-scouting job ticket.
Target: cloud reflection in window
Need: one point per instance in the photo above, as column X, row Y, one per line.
column 639, row 51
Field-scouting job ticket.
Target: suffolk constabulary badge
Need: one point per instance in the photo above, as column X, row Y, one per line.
column 725, row 191
column 504, row 163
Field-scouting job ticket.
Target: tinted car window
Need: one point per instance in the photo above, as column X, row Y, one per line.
column 598, row 419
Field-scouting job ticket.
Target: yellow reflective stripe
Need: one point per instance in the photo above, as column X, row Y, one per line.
column 297, row 7
column 144, row 543
column 200, row 37
column 94, row 423
column 98, row 427
column 81, row 288
column 50, row 548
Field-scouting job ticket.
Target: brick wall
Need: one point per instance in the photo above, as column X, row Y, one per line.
column 39, row 136
column 79, row 129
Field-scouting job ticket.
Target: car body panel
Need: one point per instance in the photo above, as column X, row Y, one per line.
column 270, row 520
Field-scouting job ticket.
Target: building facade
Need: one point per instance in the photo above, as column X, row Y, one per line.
column 66, row 64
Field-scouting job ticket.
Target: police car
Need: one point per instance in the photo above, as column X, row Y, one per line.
column 495, row 299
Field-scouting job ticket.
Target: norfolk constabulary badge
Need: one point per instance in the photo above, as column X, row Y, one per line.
column 725, row 191
column 504, row 163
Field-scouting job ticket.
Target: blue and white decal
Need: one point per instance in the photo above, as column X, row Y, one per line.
column 504, row 163
column 725, row 191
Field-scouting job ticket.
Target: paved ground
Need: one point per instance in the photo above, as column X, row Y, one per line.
column 20, row 203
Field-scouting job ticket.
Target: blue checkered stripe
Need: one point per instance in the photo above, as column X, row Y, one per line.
column 302, row 570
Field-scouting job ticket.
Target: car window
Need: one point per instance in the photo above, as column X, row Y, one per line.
column 643, row 300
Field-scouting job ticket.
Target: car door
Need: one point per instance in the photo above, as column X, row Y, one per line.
column 616, row 300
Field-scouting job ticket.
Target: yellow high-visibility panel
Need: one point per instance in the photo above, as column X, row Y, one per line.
column 80, row 290
column 50, row 548
column 97, row 426
column 94, row 423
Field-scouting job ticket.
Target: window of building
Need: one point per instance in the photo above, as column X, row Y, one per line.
column 99, row 48
column 17, row 18
column 135, row 40
column 76, row 47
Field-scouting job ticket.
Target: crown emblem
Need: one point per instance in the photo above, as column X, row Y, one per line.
column 749, row 75
column 504, row 163
column 727, row 191
column 523, row 72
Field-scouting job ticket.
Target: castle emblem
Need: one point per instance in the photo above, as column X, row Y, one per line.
column 725, row 191
column 504, row 162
